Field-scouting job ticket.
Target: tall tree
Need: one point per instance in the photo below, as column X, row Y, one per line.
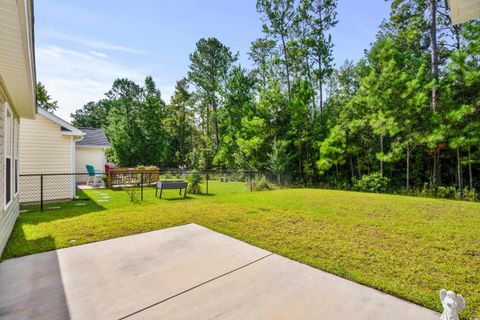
column 319, row 16
column 44, row 100
column 261, row 53
column 92, row 115
column 135, row 128
column 434, row 55
column 180, row 121
column 239, row 104
column 278, row 22
column 209, row 66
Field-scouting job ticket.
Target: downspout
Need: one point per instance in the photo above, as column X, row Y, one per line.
column 74, row 164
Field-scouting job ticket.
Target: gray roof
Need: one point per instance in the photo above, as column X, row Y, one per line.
column 94, row 137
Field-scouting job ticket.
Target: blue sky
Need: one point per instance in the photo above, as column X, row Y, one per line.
column 82, row 46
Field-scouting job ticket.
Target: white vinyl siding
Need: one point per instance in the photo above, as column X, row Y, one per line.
column 94, row 156
column 8, row 214
column 7, row 221
column 17, row 86
column 91, row 156
column 43, row 149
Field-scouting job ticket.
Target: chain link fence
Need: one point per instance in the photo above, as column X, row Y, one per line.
column 54, row 191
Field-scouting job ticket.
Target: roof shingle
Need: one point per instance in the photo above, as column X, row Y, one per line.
column 94, row 137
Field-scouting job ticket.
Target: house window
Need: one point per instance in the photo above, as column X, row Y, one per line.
column 16, row 142
column 16, row 176
column 11, row 155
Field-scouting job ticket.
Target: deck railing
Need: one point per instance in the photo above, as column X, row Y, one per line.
column 119, row 177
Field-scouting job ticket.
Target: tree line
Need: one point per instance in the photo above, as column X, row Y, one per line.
column 408, row 110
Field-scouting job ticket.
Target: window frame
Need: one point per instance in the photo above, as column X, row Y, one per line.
column 11, row 155
column 16, row 156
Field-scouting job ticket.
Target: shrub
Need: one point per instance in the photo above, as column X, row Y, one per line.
column 261, row 184
column 447, row 192
column 373, row 182
column 194, row 182
column 470, row 195
column 132, row 193
column 105, row 180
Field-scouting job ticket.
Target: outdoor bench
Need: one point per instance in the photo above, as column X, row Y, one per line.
column 178, row 184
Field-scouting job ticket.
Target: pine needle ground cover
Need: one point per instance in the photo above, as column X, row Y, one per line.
column 409, row 247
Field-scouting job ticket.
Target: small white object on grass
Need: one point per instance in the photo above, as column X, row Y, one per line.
column 452, row 304
column 53, row 208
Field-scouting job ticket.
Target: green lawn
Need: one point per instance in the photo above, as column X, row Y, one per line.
column 406, row 246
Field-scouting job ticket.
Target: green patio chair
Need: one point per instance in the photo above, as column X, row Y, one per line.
column 93, row 175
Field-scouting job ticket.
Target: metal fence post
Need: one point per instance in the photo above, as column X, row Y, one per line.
column 251, row 181
column 41, row 192
column 141, row 186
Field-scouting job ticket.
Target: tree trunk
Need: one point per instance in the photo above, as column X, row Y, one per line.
column 320, row 81
column 287, row 66
column 320, row 88
column 459, row 171
column 352, row 172
column 309, row 77
column 470, row 175
column 434, row 61
column 436, row 168
column 434, row 52
column 408, row 169
column 300, row 167
column 215, row 122
column 336, row 174
column 381, row 151
column 319, row 57
column 359, row 172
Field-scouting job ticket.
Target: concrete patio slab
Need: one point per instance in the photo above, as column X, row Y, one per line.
column 279, row 288
column 186, row 272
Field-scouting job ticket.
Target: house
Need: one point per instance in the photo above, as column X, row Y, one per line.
column 91, row 151
column 464, row 10
column 47, row 145
column 17, row 101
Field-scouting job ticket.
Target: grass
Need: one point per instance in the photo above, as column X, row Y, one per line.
column 409, row 247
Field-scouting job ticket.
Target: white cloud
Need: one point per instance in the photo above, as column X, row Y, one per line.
column 88, row 42
column 98, row 54
column 75, row 78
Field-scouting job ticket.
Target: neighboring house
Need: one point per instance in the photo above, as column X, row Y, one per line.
column 17, row 100
column 91, row 151
column 464, row 10
column 47, row 145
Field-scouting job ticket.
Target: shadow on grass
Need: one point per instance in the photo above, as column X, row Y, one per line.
column 18, row 245
column 56, row 210
column 210, row 194
column 187, row 197
column 179, row 198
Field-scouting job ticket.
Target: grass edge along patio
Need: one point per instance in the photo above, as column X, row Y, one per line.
column 409, row 247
